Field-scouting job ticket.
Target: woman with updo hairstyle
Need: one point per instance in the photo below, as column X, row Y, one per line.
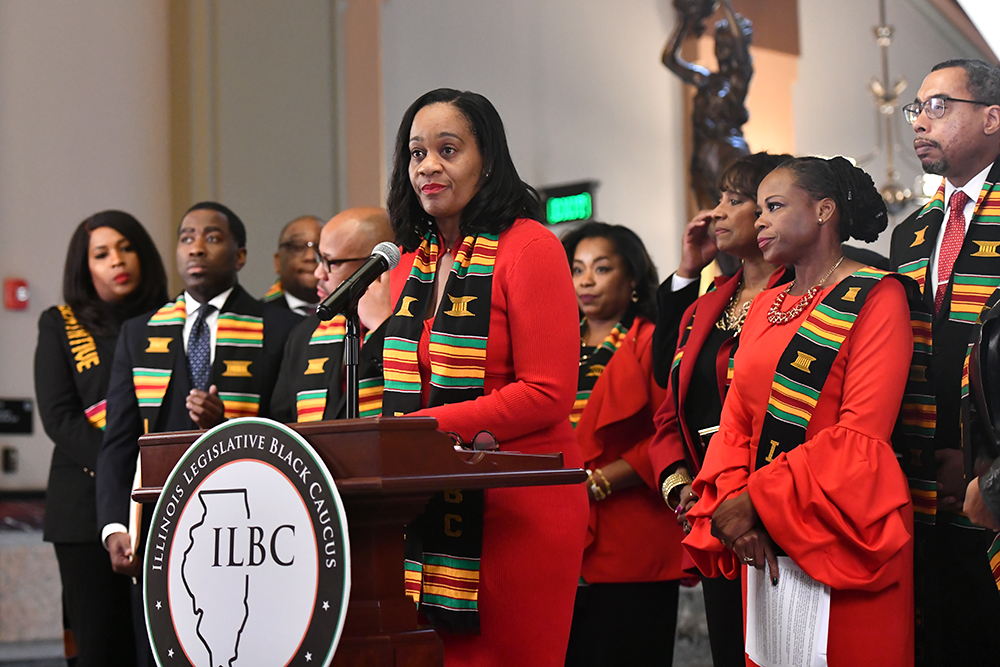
column 802, row 466
column 112, row 272
column 484, row 337
column 696, row 372
column 626, row 601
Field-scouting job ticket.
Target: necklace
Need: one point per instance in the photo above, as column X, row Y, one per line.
column 733, row 317
column 774, row 314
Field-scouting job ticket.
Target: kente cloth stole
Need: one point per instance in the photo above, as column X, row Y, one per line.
column 85, row 357
column 593, row 360
column 444, row 544
column 325, row 350
column 976, row 273
column 805, row 364
column 274, row 292
column 675, row 369
column 993, row 553
column 236, row 371
column 325, row 343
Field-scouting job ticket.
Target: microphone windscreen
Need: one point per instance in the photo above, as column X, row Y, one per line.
column 389, row 251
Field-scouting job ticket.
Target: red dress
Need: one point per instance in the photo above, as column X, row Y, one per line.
column 532, row 536
column 838, row 504
column 633, row 536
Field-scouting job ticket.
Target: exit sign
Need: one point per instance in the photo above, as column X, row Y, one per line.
column 573, row 202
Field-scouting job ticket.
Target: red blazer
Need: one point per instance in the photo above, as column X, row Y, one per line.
column 632, row 535
column 674, row 441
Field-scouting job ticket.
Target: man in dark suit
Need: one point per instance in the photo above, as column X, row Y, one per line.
column 210, row 355
column 295, row 264
column 310, row 383
column 949, row 247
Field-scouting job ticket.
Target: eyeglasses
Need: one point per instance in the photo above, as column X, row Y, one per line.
column 334, row 263
column 297, row 248
column 484, row 441
column 934, row 107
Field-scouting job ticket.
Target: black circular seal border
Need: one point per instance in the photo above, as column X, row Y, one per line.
column 334, row 584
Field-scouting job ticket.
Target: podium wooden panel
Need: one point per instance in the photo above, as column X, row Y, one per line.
column 386, row 469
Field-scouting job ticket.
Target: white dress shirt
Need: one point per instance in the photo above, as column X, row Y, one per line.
column 297, row 305
column 971, row 190
column 212, row 320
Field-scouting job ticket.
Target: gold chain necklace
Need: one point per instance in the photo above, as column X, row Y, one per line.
column 774, row 314
column 732, row 318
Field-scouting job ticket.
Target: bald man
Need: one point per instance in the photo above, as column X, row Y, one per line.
column 310, row 383
column 295, row 264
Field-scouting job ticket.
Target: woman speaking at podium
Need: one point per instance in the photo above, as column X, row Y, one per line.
column 484, row 338
column 113, row 272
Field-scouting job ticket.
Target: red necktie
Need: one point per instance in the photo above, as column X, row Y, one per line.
column 954, row 236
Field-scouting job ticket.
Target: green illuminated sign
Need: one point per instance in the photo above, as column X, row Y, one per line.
column 569, row 208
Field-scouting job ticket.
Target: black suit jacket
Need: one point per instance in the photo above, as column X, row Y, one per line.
column 296, row 360
column 914, row 239
column 116, row 461
column 70, row 505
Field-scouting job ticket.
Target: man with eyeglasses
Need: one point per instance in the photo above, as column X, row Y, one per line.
column 295, row 264
column 310, row 384
column 950, row 248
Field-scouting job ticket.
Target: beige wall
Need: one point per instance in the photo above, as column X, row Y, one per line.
column 83, row 127
column 579, row 86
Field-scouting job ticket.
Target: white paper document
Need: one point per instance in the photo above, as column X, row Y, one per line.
column 787, row 624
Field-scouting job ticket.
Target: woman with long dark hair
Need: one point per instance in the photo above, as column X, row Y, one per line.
column 698, row 373
column 802, row 464
column 112, row 272
column 626, row 601
column 483, row 337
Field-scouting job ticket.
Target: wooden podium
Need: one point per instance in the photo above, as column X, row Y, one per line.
column 386, row 469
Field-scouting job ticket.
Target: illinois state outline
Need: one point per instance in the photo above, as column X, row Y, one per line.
column 215, row 573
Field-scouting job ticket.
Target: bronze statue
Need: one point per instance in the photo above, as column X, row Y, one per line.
column 719, row 102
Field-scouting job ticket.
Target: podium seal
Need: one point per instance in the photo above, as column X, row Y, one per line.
column 247, row 559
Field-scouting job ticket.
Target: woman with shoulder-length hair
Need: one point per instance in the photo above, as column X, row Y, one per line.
column 626, row 601
column 484, row 338
column 802, row 465
column 113, row 271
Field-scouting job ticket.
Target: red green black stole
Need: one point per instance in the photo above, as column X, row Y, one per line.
column 444, row 544
column 675, row 371
column 805, row 364
column 325, row 352
column 236, row 370
column 84, row 351
column 274, row 292
column 975, row 278
column 970, row 286
column 993, row 553
column 593, row 360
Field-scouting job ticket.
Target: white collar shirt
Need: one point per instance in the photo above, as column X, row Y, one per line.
column 192, row 306
column 971, row 189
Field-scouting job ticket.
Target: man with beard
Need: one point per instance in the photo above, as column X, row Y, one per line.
column 950, row 248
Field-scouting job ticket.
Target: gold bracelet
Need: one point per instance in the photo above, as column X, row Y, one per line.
column 672, row 482
column 595, row 489
column 607, row 484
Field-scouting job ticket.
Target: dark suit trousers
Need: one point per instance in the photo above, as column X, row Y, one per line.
column 98, row 605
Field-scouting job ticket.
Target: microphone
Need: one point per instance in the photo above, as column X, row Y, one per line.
column 385, row 256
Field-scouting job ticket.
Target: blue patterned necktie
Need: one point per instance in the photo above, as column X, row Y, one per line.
column 199, row 351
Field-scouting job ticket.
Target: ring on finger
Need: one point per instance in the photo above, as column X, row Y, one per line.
column 748, row 560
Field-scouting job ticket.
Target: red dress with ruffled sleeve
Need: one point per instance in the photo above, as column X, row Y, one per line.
column 838, row 504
